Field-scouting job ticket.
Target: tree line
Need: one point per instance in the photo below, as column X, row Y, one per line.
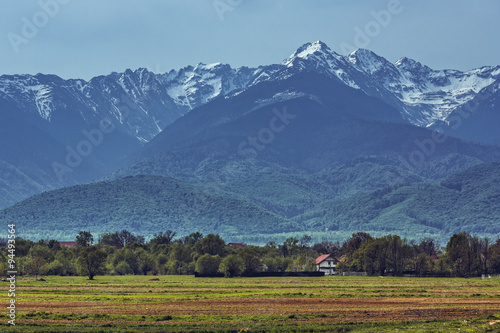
column 123, row 253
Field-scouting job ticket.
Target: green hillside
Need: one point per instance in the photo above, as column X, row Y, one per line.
column 467, row 201
column 144, row 205
column 290, row 195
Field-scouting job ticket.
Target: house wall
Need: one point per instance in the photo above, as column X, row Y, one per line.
column 329, row 270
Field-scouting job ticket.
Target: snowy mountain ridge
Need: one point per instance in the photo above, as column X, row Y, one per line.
column 59, row 132
column 425, row 95
column 144, row 103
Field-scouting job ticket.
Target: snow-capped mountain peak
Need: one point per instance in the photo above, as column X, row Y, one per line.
column 409, row 64
column 207, row 67
column 310, row 48
column 318, row 57
column 422, row 95
column 316, row 51
column 369, row 62
column 193, row 86
column 142, row 102
column 431, row 94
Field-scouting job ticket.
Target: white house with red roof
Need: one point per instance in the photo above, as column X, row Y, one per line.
column 326, row 263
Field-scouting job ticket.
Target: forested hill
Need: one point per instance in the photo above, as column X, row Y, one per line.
column 466, row 201
column 143, row 204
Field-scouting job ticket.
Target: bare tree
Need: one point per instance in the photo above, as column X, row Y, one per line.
column 164, row 237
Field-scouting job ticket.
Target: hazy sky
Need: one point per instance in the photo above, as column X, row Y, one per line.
column 85, row 38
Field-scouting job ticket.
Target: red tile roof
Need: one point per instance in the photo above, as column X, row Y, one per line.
column 68, row 244
column 241, row 245
column 321, row 258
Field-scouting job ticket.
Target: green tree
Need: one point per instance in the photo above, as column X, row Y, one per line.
column 41, row 251
column 251, row 259
column 290, row 247
column 373, row 256
column 428, row 246
column 180, row 260
column 161, row 260
column 232, row 265
column 131, row 259
column 108, row 239
column 91, row 261
column 459, row 254
column 378, row 256
column 192, row 238
column 305, row 241
column 399, row 253
column 36, row 266
column 422, row 264
column 327, row 247
column 121, row 238
column 207, row 264
column 440, row 267
column 56, row 268
column 494, row 263
column 54, row 245
column 283, row 263
column 23, row 246
column 270, row 264
column 354, row 243
column 123, row 268
column 211, row 244
column 146, row 261
column 84, row 238
column 163, row 238
column 485, row 255
column 276, row 263
column 67, row 258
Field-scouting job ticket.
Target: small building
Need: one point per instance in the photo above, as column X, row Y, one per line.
column 326, row 263
column 237, row 245
column 68, row 244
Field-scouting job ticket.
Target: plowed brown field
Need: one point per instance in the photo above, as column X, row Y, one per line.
column 265, row 300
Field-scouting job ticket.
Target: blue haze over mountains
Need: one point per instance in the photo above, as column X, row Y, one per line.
column 357, row 124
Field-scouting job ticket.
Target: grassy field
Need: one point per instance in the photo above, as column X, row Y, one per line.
column 285, row 304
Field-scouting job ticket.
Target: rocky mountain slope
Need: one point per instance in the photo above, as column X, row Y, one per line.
column 65, row 132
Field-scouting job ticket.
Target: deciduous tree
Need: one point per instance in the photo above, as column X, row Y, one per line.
column 84, row 238
column 207, row 264
column 355, row 242
column 91, row 261
column 211, row 244
column 163, row 238
column 36, row 266
column 232, row 265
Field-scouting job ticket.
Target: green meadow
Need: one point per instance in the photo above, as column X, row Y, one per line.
column 279, row 304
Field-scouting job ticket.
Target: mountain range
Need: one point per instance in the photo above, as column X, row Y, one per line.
column 305, row 145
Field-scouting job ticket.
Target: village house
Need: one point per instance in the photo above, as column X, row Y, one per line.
column 68, row 244
column 326, row 263
column 237, row 245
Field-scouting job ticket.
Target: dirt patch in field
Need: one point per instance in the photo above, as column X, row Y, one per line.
column 393, row 309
